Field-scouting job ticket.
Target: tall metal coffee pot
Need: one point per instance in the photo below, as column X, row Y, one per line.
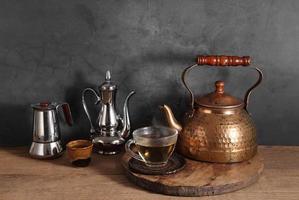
column 218, row 127
column 46, row 132
column 111, row 130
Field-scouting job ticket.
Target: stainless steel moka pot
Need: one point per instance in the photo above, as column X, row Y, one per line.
column 46, row 132
column 111, row 130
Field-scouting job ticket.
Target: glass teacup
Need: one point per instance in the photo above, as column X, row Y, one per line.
column 154, row 145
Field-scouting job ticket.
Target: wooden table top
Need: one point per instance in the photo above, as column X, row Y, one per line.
column 24, row 178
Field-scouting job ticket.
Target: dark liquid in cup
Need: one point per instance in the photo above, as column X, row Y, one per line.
column 154, row 154
column 82, row 162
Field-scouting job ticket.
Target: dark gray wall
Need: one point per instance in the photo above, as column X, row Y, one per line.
column 52, row 50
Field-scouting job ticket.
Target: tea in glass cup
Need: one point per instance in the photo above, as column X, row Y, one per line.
column 154, row 145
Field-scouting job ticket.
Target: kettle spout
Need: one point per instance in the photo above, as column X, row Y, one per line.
column 172, row 122
column 124, row 133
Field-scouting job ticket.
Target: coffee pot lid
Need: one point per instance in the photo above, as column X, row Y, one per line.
column 219, row 99
column 44, row 105
column 107, row 84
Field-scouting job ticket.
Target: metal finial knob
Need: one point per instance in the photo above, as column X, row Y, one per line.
column 108, row 75
column 219, row 87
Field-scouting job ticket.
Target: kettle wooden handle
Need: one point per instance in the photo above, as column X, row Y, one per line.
column 222, row 60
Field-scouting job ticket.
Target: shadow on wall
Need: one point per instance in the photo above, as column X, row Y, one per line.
column 156, row 83
column 16, row 120
column 15, row 125
column 73, row 97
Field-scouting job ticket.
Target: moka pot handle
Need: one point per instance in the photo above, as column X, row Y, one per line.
column 66, row 112
column 92, row 129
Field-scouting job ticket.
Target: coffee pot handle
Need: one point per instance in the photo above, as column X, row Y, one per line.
column 223, row 61
column 67, row 112
column 92, row 129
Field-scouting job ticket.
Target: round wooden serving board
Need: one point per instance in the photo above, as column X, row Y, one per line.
column 200, row 178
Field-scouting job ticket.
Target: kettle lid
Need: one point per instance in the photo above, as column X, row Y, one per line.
column 108, row 84
column 219, row 99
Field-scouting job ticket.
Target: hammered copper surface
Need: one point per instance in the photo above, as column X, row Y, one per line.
column 219, row 98
column 218, row 127
column 218, row 137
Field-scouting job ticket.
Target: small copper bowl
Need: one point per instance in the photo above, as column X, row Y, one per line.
column 79, row 152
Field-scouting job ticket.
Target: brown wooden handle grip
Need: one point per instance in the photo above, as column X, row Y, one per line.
column 67, row 114
column 223, row 60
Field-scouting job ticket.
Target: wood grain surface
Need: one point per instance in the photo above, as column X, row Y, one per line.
column 24, row 178
column 200, row 178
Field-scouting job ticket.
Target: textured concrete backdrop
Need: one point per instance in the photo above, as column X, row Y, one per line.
column 52, row 50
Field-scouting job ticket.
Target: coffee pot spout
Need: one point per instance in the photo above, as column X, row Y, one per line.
column 124, row 133
column 171, row 120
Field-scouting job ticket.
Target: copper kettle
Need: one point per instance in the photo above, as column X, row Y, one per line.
column 218, row 127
